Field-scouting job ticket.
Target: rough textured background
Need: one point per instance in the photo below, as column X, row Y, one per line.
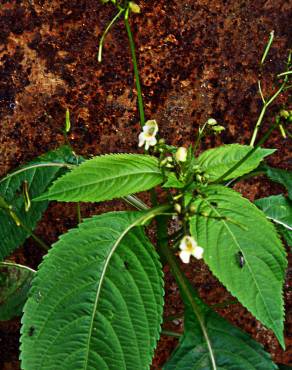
column 198, row 58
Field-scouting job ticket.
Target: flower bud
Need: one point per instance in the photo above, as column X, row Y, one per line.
column 135, row 8
column 177, row 207
column 181, row 154
column 192, row 209
column 284, row 113
column 211, row 122
column 218, row 128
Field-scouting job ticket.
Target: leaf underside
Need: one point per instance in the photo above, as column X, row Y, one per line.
column 277, row 208
column 106, row 177
column 215, row 162
column 233, row 349
column 11, row 189
column 281, row 176
column 237, row 227
column 96, row 301
column 15, row 282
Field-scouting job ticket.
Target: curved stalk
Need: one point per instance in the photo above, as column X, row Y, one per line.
column 261, row 142
column 136, row 71
column 182, row 283
column 106, row 31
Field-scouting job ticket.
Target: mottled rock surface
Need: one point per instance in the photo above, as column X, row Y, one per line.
column 197, row 58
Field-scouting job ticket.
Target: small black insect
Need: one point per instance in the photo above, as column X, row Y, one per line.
column 126, row 264
column 31, row 331
column 240, row 259
column 214, row 204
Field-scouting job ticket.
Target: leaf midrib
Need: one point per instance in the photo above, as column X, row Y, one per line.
column 246, row 260
column 114, row 247
column 100, row 181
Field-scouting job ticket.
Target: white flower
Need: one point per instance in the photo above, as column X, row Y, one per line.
column 189, row 247
column 147, row 137
column 181, row 154
column 212, row 122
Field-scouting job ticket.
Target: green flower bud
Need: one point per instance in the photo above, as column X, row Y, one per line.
column 218, row 129
column 135, row 8
column 284, row 114
column 192, row 209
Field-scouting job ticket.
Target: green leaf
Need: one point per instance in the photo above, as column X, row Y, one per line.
column 232, row 349
column 286, row 234
column 281, row 176
column 277, row 208
column 215, row 162
column 27, row 182
column 15, row 282
column 97, row 299
column 106, row 177
column 173, row 182
column 237, row 233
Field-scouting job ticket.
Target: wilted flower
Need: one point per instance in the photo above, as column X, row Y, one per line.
column 181, row 154
column 189, row 247
column 147, row 137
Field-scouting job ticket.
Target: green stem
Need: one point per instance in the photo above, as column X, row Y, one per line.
column 116, row 17
column 199, row 137
column 9, row 210
column 170, row 333
column 136, row 72
column 52, row 164
column 135, row 202
column 39, row 241
column 138, row 87
column 182, row 281
column 270, row 101
column 239, row 163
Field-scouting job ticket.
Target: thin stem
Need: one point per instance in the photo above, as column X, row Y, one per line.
column 284, row 74
column 136, row 72
column 138, row 86
column 116, row 17
column 268, row 46
column 182, row 282
column 135, row 202
column 239, row 163
column 199, row 137
column 265, row 106
column 39, row 241
column 52, row 164
column 170, row 333
column 270, row 101
column 282, row 130
column 9, row 210
column 261, row 92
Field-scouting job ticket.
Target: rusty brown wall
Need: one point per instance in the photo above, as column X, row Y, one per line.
column 198, row 59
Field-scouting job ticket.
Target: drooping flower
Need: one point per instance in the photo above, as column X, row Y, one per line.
column 212, row 122
column 181, row 154
column 189, row 247
column 147, row 136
